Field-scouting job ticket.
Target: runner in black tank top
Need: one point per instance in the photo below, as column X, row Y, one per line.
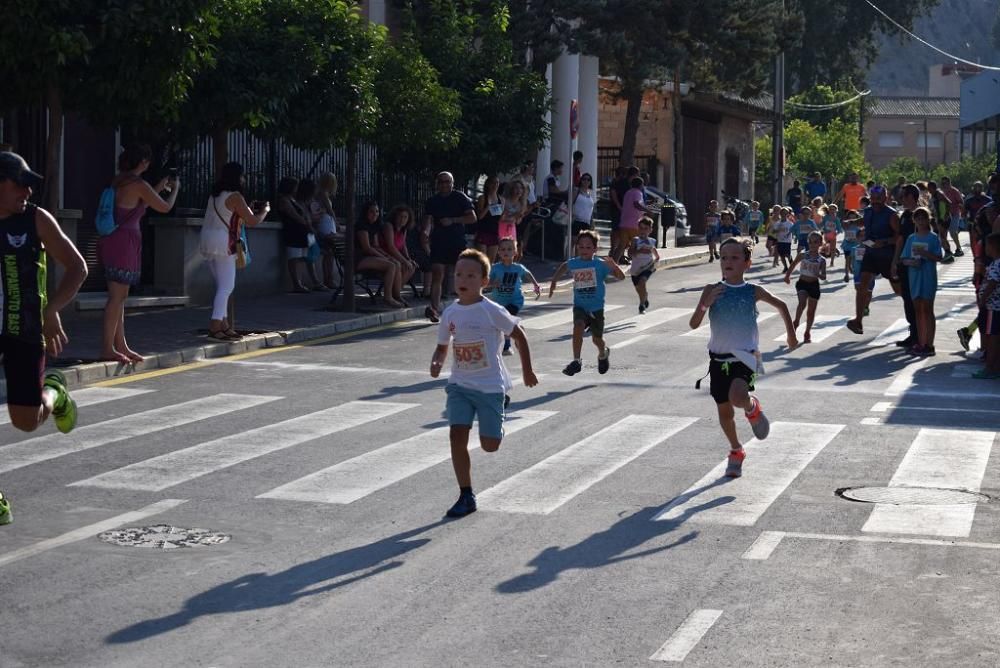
column 29, row 323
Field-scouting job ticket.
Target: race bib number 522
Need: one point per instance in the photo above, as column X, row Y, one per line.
column 584, row 278
column 471, row 356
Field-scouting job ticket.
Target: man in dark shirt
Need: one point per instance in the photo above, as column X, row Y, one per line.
column 794, row 197
column 816, row 187
column 449, row 212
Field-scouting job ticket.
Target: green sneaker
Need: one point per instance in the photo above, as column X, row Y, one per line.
column 64, row 409
column 5, row 515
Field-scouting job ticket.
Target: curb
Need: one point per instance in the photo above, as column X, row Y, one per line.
column 92, row 373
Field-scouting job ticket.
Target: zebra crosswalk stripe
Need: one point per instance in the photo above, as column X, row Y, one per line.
column 90, row 396
column 366, row 474
column 181, row 466
column 771, row 467
column 944, row 458
column 43, row 448
column 563, row 316
column 552, row 482
column 823, row 328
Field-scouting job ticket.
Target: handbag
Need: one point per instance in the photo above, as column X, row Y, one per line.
column 237, row 237
column 561, row 215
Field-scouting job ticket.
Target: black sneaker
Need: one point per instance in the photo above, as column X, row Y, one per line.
column 431, row 314
column 717, row 256
column 466, row 505
column 959, row 252
column 711, row 258
column 604, row 363
column 948, row 258
column 642, row 308
column 964, row 337
column 646, row 303
column 905, row 343
column 573, row 368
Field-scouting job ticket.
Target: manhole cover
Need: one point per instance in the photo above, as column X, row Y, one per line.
column 916, row 496
column 163, row 537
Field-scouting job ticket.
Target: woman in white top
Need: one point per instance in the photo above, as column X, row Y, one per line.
column 325, row 222
column 220, row 254
column 583, row 204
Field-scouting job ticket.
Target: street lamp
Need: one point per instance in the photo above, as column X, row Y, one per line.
column 927, row 166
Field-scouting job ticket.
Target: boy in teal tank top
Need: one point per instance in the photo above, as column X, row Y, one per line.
column 733, row 350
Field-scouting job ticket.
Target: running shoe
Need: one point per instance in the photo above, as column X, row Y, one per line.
column 867, row 312
column 959, row 252
column 734, row 469
column 64, row 408
column 5, row 515
column 573, row 368
column 604, row 363
column 642, row 308
column 646, row 303
column 964, row 337
column 431, row 314
column 506, row 349
column 905, row 343
column 846, row 279
column 466, row 505
column 855, row 326
column 711, row 258
column 948, row 258
column 758, row 421
column 717, row 256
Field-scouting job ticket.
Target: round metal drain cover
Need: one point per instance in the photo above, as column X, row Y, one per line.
column 912, row 496
column 163, row 537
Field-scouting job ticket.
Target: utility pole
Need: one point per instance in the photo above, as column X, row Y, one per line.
column 778, row 132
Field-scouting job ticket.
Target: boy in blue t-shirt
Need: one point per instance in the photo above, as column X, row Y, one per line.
column 804, row 227
column 921, row 251
column 754, row 220
column 505, row 283
column 588, row 274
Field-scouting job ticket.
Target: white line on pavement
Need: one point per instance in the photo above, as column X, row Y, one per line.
column 772, row 465
column 90, row 396
column 628, row 342
column 90, row 530
column 547, row 485
column 891, row 334
column 768, row 541
column 42, row 448
column 561, row 317
column 180, row 466
column 944, row 458
column 903, row 380
column 823, row 327
column 365, row 474
column 687, row 636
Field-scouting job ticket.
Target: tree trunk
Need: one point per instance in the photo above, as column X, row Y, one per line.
column 631, row 126
column 220, row 149
column 678, row 128
column 53, row 149
column 351, row 176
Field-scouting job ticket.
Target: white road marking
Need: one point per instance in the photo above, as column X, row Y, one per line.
column 705, row 331
column 946, row 458
column 964, row 370
column 91, row 530
column 366, row 474
column 640, row 323
column 881, row 407
column 90, row 396
column 897, row 330
column 555, row 480
column 328, row 368
column 563, row 316
column 687, row 636
column 628, row 342
column 180, row 466
column 903, row 380
column 771, row 466
column 43, row 448
column 768, row 541
column 823, row 328
column 871, row 420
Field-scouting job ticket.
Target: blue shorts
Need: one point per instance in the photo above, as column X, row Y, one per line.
column 464, row 405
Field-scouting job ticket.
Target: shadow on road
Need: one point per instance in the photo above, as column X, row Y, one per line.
column 261, row 590
column 609, row 546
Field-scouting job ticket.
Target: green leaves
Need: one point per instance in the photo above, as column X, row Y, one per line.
column 835, row 150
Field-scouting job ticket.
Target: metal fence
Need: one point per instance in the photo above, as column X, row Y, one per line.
column 609, row 158
column 267, row 161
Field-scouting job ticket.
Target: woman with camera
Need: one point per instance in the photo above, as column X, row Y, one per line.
column 220, row 235
column 120, row 252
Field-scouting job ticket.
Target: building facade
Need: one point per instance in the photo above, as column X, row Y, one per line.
column 924, row 128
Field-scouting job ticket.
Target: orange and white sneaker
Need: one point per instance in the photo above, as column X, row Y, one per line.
column 758, row 421
column 734, row 469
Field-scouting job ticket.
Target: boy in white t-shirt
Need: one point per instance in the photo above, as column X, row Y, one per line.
column 644, row 258
column 479, row 380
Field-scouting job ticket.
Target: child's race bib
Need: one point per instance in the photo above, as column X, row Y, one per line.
column 584, row 278
column 850, row 235
column 916, row 247
column 859, row 253
column 471, row 356
column 810, row 269
column 496, row 209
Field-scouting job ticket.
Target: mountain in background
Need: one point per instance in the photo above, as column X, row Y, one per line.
column 961, row 27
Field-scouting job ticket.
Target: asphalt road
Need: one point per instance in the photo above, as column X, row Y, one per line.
column 605, row 534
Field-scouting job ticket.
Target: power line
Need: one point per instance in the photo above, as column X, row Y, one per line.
column 823, row 107
column 928, row 44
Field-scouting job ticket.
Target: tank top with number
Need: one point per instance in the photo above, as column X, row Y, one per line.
column 733, row 320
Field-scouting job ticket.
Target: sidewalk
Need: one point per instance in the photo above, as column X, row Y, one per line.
column 171, row 337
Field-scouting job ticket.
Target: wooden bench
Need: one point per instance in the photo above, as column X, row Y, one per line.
column 370, row 281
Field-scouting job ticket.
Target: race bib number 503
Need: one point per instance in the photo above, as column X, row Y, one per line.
column 471, row 356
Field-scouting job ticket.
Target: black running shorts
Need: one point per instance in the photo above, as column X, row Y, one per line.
column 811, row 288
column 592, row 319
column 722, row 375
column 24, row 368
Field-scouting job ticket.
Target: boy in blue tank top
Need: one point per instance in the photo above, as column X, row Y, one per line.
column 733, row 349
column 588, row 274
column 505, row 283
